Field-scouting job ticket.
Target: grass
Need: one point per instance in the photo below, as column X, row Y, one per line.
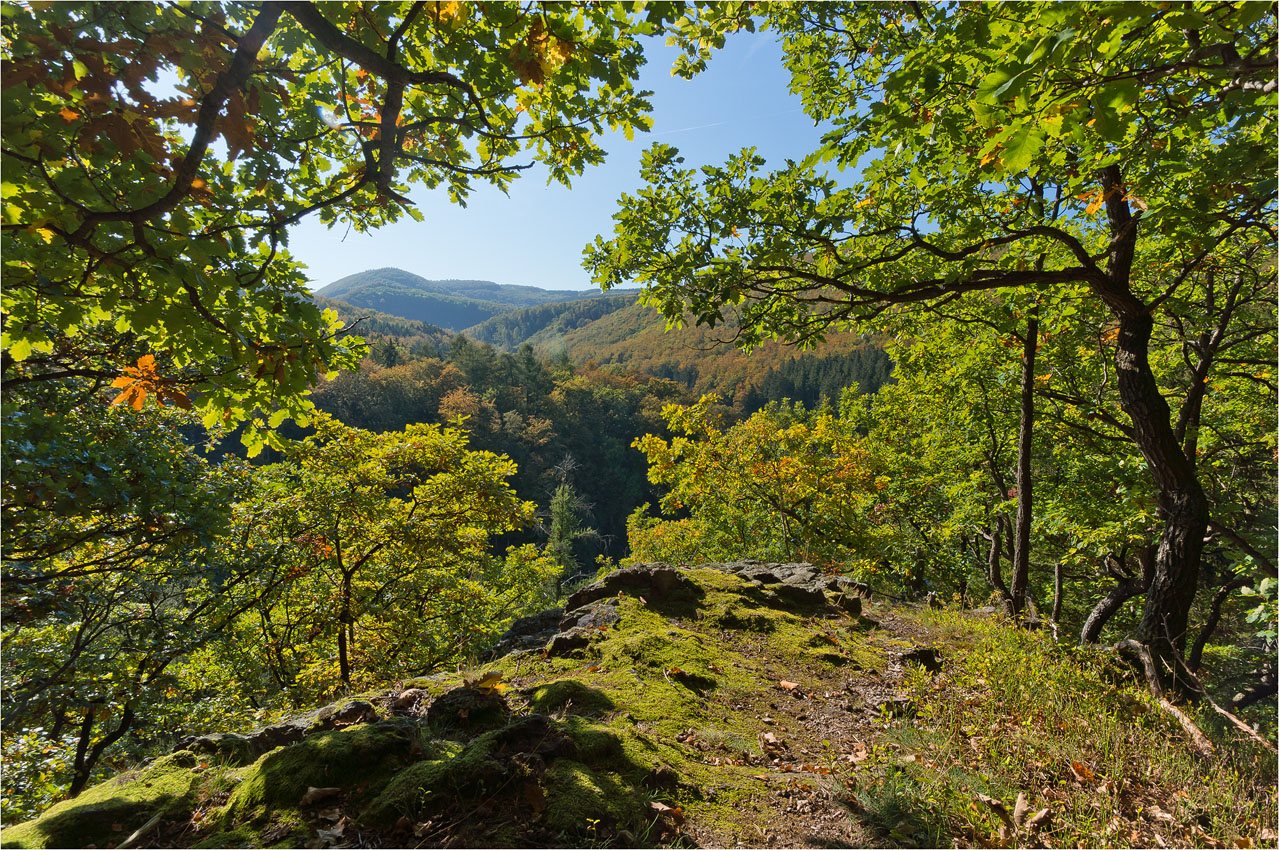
column 1014, row 713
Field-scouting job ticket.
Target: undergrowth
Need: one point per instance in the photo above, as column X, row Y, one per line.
column 1013, row 713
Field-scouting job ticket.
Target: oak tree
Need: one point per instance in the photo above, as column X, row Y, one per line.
column 1148, row 130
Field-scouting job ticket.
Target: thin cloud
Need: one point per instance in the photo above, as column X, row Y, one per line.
column 690, row 129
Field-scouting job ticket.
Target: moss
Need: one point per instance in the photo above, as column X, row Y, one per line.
column 417, row 786
column 239, row 837
column 369, row 752
column 107, row 813
column 579, row 800
column 569, row 695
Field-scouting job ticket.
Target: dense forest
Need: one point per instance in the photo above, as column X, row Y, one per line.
column 1020, row 361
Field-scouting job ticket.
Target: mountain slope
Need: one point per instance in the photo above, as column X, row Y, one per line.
column 545, row 323
column 451, row 304
column 372, row 324
column 731, row 704
column 705, row 359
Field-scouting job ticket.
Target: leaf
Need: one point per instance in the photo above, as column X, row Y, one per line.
column 68, row 114
column 1020, row 808
column 1081, row 772
column 1039, row 820
column 314, row 795
column 998, row 807
column 787, row 686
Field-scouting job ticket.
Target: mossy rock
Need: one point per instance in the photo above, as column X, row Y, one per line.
column 569, row 695
column 370, row 752
column 739, row 618
column 468, row 709
column 106, row 814
column 580, row 800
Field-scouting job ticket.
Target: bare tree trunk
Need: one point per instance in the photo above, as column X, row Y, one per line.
column 86, row 757
column 1182, row 503
column 1056, row 614
column 1128, row 586
column 1025, row 441
column 344, row 619
column 1214, row 617
column 994, row 571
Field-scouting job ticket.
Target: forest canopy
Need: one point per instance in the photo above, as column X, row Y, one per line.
column 1056, row 228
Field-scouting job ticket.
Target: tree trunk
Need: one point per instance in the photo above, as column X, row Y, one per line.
column 86, row 757
column 994, row 573
column 1127, row 588
column 1182, row 503
column 344, row 619
column 1025, row 440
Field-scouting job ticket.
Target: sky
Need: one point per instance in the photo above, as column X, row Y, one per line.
column 535, row 235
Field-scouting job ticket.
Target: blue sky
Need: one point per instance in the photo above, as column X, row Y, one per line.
column 535, row 235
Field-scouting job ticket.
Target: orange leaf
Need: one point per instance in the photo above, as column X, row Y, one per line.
column 787, row 686
column 122, row 381
column 68, row 114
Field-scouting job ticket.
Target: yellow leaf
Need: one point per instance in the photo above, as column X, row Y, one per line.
column 1096, row 204
column 46, row 234
column 865, row 201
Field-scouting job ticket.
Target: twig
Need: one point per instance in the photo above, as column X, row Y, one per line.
column 142, row 830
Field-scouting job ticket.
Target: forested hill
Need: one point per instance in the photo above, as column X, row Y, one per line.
column 375, row 325
column 634, row 337
column 546, row 323
column 451, row 304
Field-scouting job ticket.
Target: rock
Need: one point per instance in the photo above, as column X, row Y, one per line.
column 601, row 613
column 344, row 714
column 567, row 643
column 236, row 749
column 647, row 580
column 468, row 708
column 528, row 633
column 800, row 594
column 926, row 657
column 534, row 734
column 408, row 700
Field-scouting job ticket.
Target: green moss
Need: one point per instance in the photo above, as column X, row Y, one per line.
column 411, row 790
column 579, row 800
column 239, row 837
column 569, row 695
column 106, row 814
column 370, row 752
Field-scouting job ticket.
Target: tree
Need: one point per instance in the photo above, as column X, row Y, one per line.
column 115, row 578
column 786, row 484
column 1149, row 132
column 155, row 155
column 386, row 533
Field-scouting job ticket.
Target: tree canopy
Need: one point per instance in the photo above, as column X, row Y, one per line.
column 1117, row 153
column 155, row 156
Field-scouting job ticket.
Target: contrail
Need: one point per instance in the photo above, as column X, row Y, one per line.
column 688, row 129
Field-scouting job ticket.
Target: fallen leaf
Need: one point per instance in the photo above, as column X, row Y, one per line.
column 787, row 686
column 998, row 807
column 1081, row 772
column 313, row 795
column 762, row 777
column 1038, row 820
column 675, row 813
column 1020, row 809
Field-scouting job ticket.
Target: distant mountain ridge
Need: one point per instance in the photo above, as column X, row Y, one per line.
column 449, row 304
